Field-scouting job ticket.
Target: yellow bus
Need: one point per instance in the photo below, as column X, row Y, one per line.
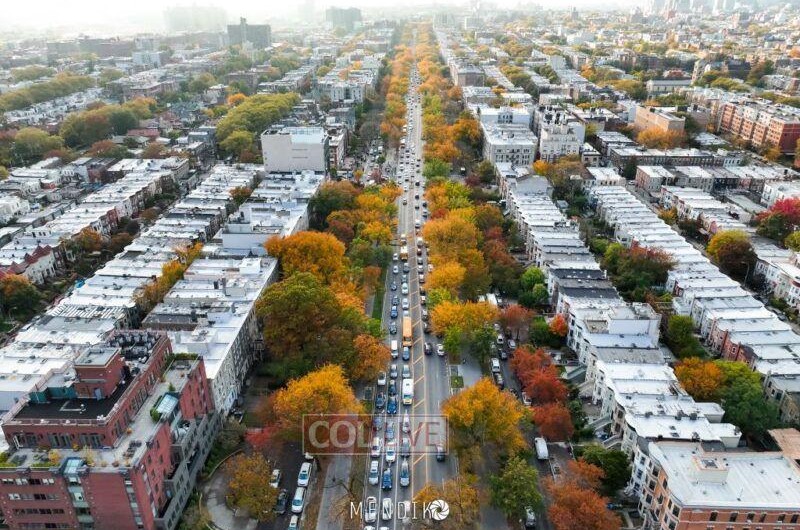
column 408, row 333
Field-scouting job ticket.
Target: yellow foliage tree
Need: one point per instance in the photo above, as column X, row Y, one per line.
column 317, row 253
column 323, row 391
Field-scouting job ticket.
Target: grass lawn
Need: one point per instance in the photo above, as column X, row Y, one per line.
column 456, row 381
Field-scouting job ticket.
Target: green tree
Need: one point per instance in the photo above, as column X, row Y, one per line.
column 237, row 142
column 733, row 252
column 531, row 277
column 435, row 167
column 744, row 401
column 680, row 337
column 31, row 143
column 792, row 241
column 122, row 120
column 18, row 296
column 516, row 488
column 615, row 466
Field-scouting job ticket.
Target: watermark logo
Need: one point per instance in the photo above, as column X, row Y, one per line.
column 436, row 510
column 365, row 434
column 439, row 510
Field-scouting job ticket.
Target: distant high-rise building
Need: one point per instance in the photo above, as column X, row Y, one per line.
column 345, row 18
column 194, row 18
column 259, row 35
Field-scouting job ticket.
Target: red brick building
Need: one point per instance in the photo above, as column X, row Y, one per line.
column 116, row 446
column 760, row 124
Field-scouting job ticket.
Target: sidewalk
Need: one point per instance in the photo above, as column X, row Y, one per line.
column 469, row 370
column 338, row 471
column 214, row 498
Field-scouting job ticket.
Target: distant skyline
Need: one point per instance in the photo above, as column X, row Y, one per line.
column 108, row 16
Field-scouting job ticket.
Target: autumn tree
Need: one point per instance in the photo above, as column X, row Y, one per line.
column 306, row 324
column 248, row 485
column 516, row 488
column 450, row 237
column 119, row 241
column 658, row 139
column 780, row 219
column 545, row 386
column 576, row 506
column 89, row 240
column 372, row 356
column 553, row 421
column 108, row 149
column 516, row 318
column 321, row 392
column 463, row 498
column 701, row 379
column 17, row 295
column 240, row 194
column 448, row 276
column 558, row 326
column 733, row 252
column 316, row 253
column 474, row 421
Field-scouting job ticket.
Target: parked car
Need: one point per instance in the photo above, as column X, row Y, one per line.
column 304, row 476
column 294, row 523
column 440, row 350
column 281, row 502
column 495, row 365
column 381, row 378
column 380, row 401
column 275, row 479
column 299, row 500
column 428, row 349
column 441, row 454
column 499, row 381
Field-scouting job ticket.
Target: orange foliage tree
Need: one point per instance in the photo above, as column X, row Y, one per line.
column 575, row 504
column 317, row 253
column 701, row 379
column 558, row 326
column 553, row 421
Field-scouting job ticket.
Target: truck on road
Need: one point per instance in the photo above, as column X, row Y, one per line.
column 408, row 332
column 541, row 449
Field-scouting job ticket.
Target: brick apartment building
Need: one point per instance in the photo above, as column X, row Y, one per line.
column 656, row 118
column 692, row 487
column 116, row 445
column 760, row 124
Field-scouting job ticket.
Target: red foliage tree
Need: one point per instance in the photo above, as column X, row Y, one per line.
column 558, row 326
column 516, row 318
column 526, row 361
column 544, row 386
column 553, row 421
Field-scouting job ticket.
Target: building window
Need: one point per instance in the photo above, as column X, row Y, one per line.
column 733, row 517
column 713, row 516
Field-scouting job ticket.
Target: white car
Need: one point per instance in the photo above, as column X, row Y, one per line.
column 404, row 288
column 275, row 480
column 304, row 476
column 440, row 350
column 371, row 510
column 374, row 473
column 406, row 372
column 391, row 452
column 382, row 379
column 387, row 509
column 375, row 448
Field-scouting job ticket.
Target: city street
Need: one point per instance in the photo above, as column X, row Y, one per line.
column 429, row 373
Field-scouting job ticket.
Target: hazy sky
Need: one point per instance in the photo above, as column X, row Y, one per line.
column 98, row 16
